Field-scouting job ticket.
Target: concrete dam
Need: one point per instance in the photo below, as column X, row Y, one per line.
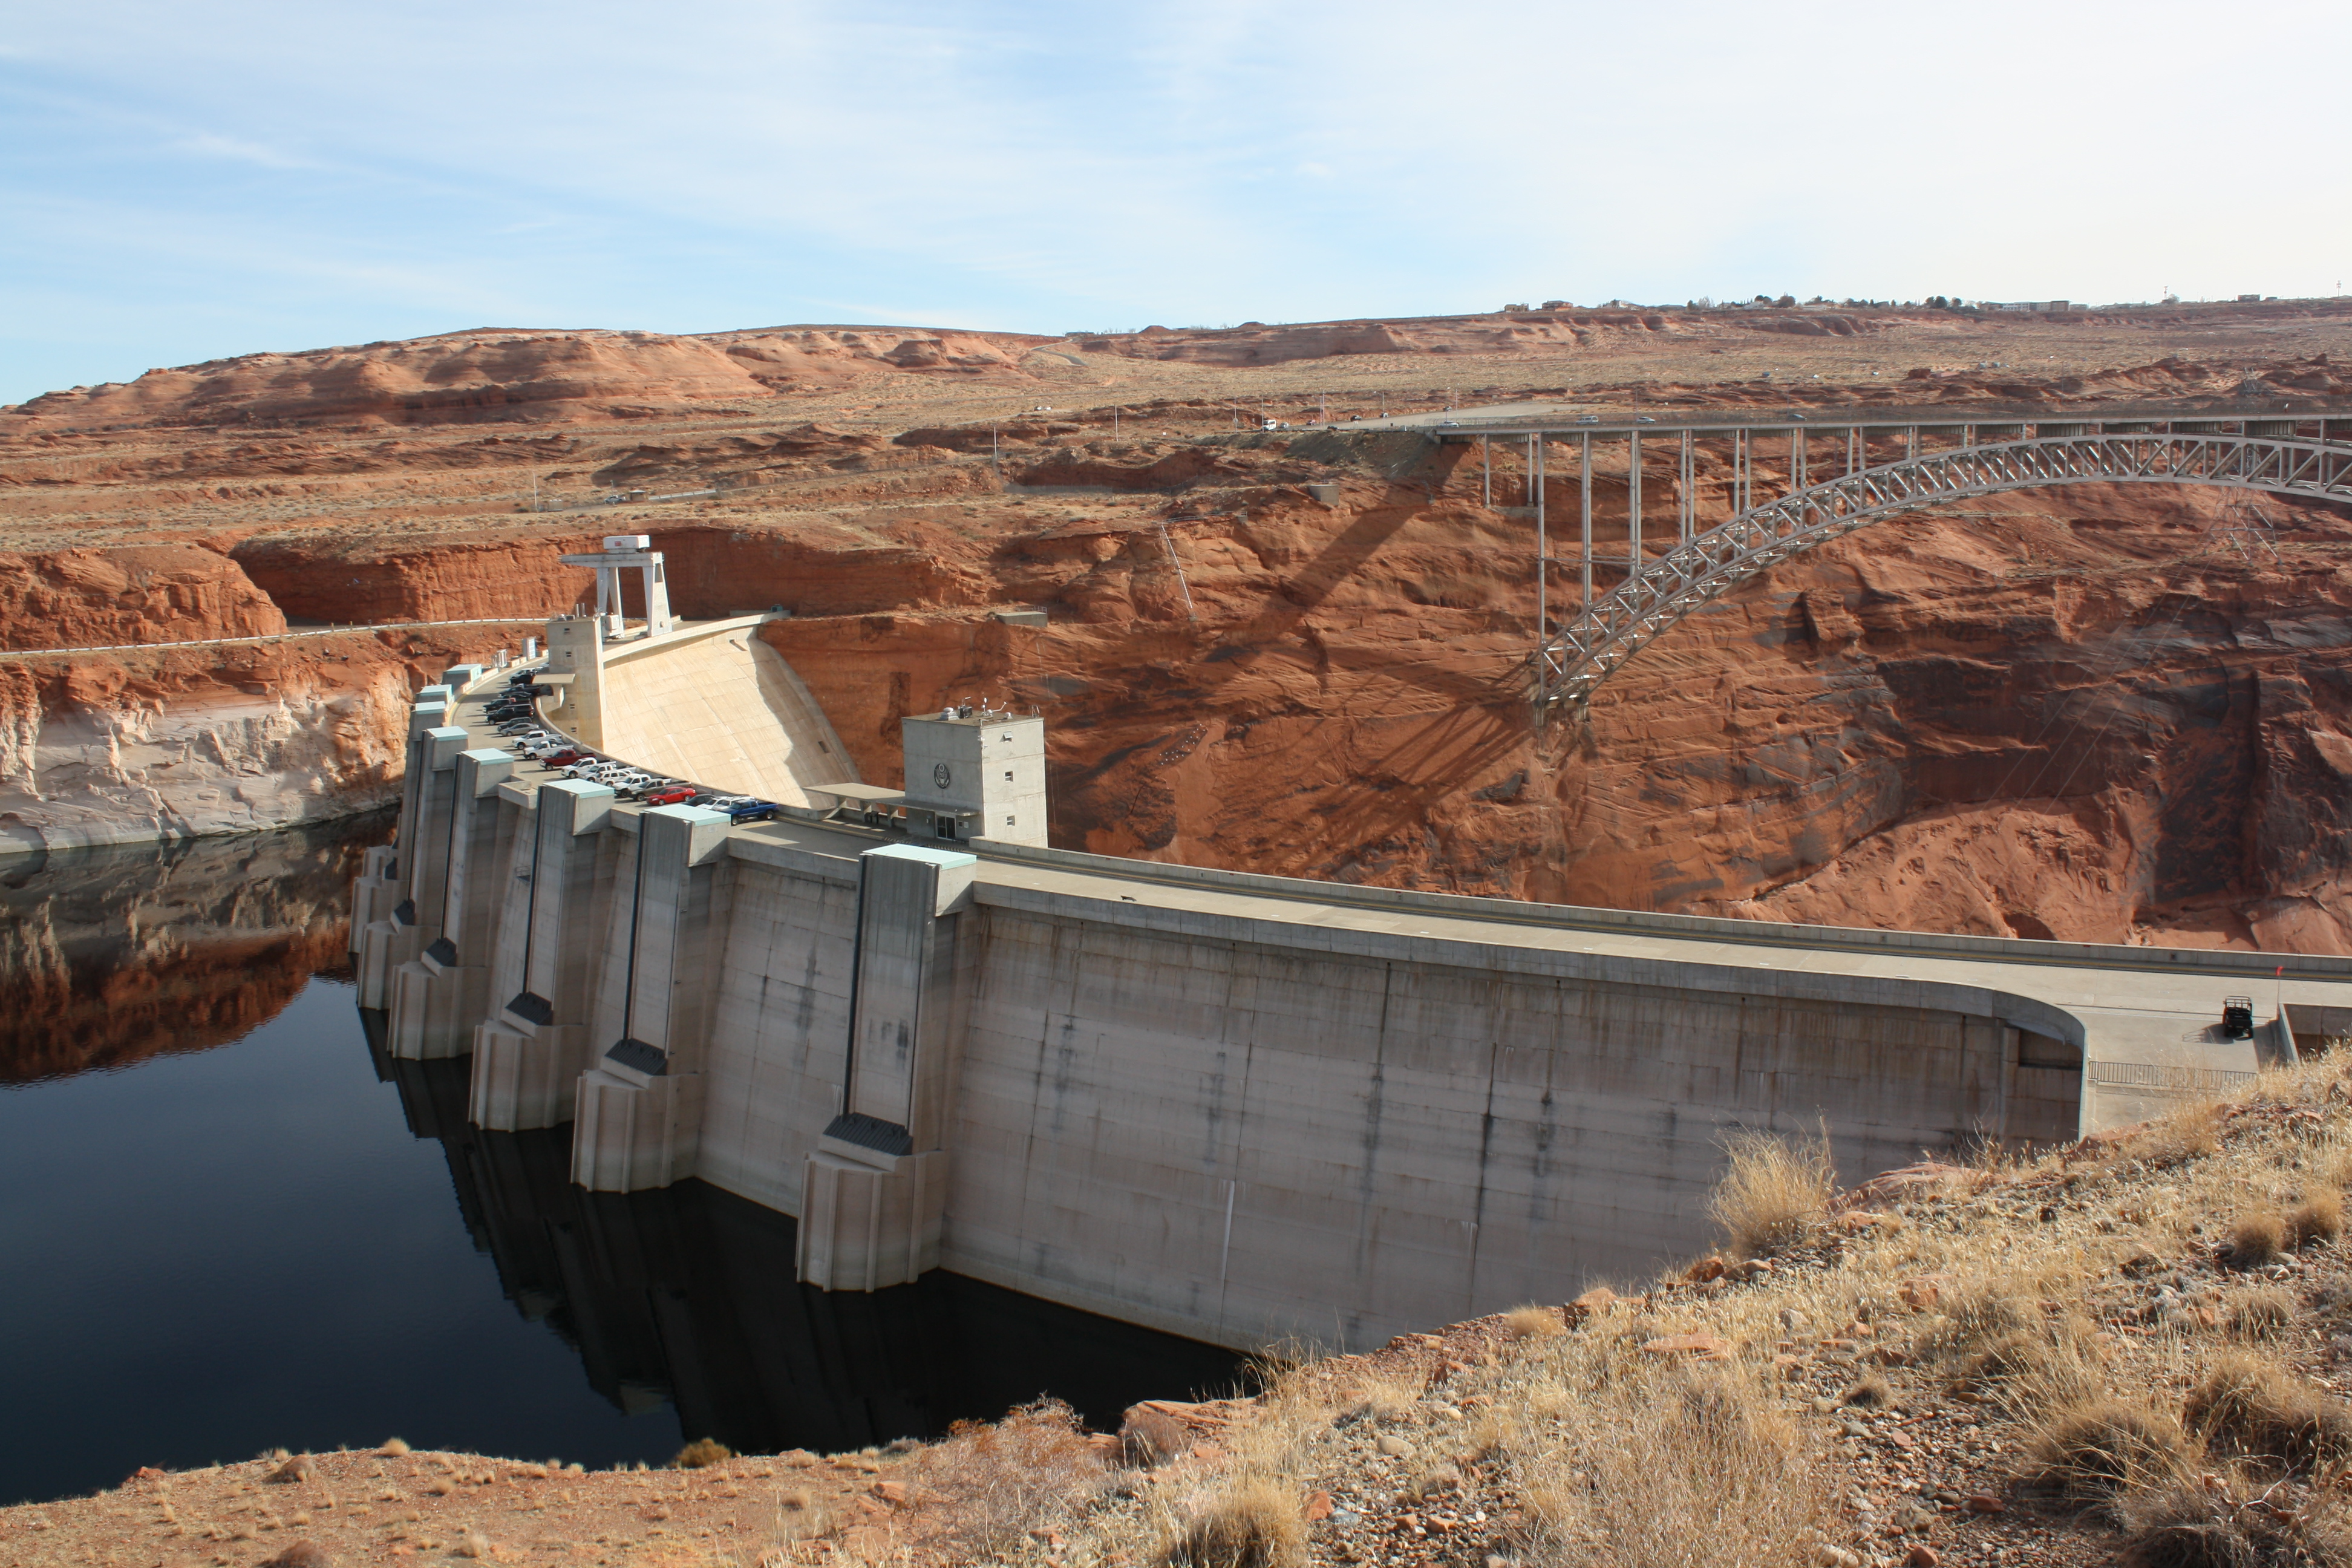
column 1234, row 1107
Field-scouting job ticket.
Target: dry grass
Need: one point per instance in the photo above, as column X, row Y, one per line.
column 393, row 1448
column 2260, row 1312
column 2250, row 1405
column 1254, row 1523
column 2214, row 1522
column 1772, row 1191
column 2090, row 1452
column 1148, row 1438
column 989, row 1486
column 1670, row 1466
column 2319, row 1217
column 1534, row 1322
column 2257, row 1239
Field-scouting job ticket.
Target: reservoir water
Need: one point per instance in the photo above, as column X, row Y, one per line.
column 229, row 1223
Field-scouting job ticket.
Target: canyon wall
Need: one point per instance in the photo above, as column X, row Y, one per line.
column 188, row 742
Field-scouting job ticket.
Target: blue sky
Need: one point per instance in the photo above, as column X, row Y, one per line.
column 179, row 183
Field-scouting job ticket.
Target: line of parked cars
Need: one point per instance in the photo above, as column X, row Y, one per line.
column 516, row 718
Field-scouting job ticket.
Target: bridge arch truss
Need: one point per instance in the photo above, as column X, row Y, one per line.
column 1575, row 658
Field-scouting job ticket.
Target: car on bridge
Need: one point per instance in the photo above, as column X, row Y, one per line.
column 563, row 758
column 676, row 795
column 750, row 810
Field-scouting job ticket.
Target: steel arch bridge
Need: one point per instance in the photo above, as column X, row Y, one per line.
column 1700, row 568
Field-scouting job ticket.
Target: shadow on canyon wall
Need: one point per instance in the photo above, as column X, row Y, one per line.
column 689, row 1293
column 109, row 956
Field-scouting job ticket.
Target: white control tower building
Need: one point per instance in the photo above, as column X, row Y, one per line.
column 978, row 775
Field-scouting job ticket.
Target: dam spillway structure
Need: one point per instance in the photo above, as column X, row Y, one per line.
column 1234, row 1107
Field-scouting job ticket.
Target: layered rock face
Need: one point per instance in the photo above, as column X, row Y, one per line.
column 185, row 742
column 2117, row 714
column 129, row 594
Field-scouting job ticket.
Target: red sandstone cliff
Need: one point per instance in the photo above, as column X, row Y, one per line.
column 2085, row 712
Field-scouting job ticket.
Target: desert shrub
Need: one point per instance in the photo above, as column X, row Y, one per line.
column 2256, row 1408
column 1254, row 1523
column 1148, row 1438
column 1533, row 1322
column 990, row 1485
column 701, row 1452
column 393, row 1448
column 1673, row 1468
column 2260, row 1312
column 2258, row 1237
column 2089, row 1451
column 2211, row 1522
column 1979, row 1312
column 2319, row 1217
column 1770, row 1191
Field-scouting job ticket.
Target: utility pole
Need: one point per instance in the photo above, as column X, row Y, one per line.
column 1323, row 400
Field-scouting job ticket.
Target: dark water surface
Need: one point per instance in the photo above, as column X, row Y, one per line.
column 228, row 1224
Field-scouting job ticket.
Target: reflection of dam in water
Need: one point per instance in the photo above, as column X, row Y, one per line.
column 1235, row 1106
column 228, row 1232
column 688, row 1294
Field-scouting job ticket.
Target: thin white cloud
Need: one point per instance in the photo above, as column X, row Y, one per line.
column 234, row 148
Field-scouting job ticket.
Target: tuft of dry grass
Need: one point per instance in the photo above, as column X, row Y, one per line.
column 2257, row 1238
column 2319, row 1217
column 2212, row 1522
column 1668, row 1466
column 990, row 1485
column 1534, row 1322
column 1253, row 1523
column 702, row 1451
column 1148, row 1438
column 1772, row 1191
column 474, row 1544
column 2251, row 1405
column 393, row 1449
column 2090, row 1451
column 2262, row 1312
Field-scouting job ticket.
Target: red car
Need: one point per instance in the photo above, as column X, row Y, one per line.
column 568, row 755
column 673, row 795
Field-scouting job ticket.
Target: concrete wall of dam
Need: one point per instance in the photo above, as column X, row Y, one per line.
column 1232, row 1107
column 1236, row 1107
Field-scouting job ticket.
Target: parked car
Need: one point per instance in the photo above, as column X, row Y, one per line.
column 518, row 726
column 676, row 795
column 563, row 758
column 751, row 811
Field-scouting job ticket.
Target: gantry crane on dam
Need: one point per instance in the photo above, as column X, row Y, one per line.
column 1883, row 462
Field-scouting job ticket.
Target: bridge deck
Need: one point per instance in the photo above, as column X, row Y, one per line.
column 1569, row 418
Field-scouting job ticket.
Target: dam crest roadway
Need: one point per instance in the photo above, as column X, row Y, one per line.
column 1882, row 462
